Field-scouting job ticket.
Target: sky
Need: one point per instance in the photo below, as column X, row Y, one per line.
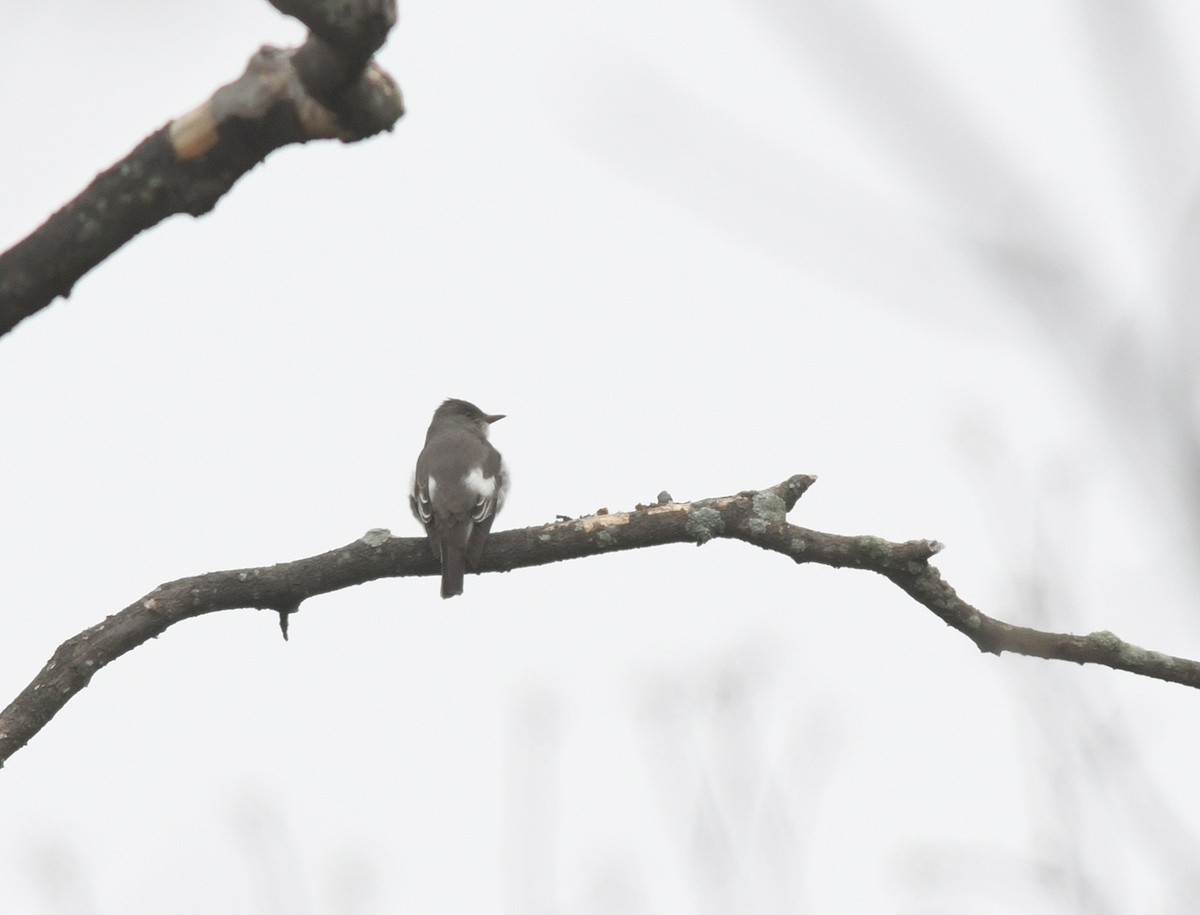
column 939, row 255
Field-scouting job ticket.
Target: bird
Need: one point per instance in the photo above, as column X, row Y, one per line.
column 458, row 487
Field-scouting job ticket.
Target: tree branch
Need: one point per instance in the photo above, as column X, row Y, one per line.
column 326, row 88
column 757, row 517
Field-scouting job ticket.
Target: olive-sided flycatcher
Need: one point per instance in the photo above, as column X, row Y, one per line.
column 458, row 488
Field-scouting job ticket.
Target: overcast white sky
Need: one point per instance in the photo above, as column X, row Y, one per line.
column 926, row 254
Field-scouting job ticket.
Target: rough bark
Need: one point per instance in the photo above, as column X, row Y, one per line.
column 757, row 517
column 326, row 88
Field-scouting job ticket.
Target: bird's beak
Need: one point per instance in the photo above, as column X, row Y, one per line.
column 495, row 418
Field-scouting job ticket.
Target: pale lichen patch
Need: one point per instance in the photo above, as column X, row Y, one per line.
column 703, row 524
column 376, row 536
column 769, row 507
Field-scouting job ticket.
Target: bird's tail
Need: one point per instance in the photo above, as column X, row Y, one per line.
column 453, row 562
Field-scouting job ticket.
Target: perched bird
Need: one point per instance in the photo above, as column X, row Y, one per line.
column 458, row 487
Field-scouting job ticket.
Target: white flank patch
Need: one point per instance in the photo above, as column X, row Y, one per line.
column 484, row 487
column 432, row 488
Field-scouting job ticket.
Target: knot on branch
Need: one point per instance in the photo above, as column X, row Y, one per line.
column 354, row 27
column 334, row 64
column 328, row 88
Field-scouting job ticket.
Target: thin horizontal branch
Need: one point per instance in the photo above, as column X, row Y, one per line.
column 326, row 88
column 758, row 517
